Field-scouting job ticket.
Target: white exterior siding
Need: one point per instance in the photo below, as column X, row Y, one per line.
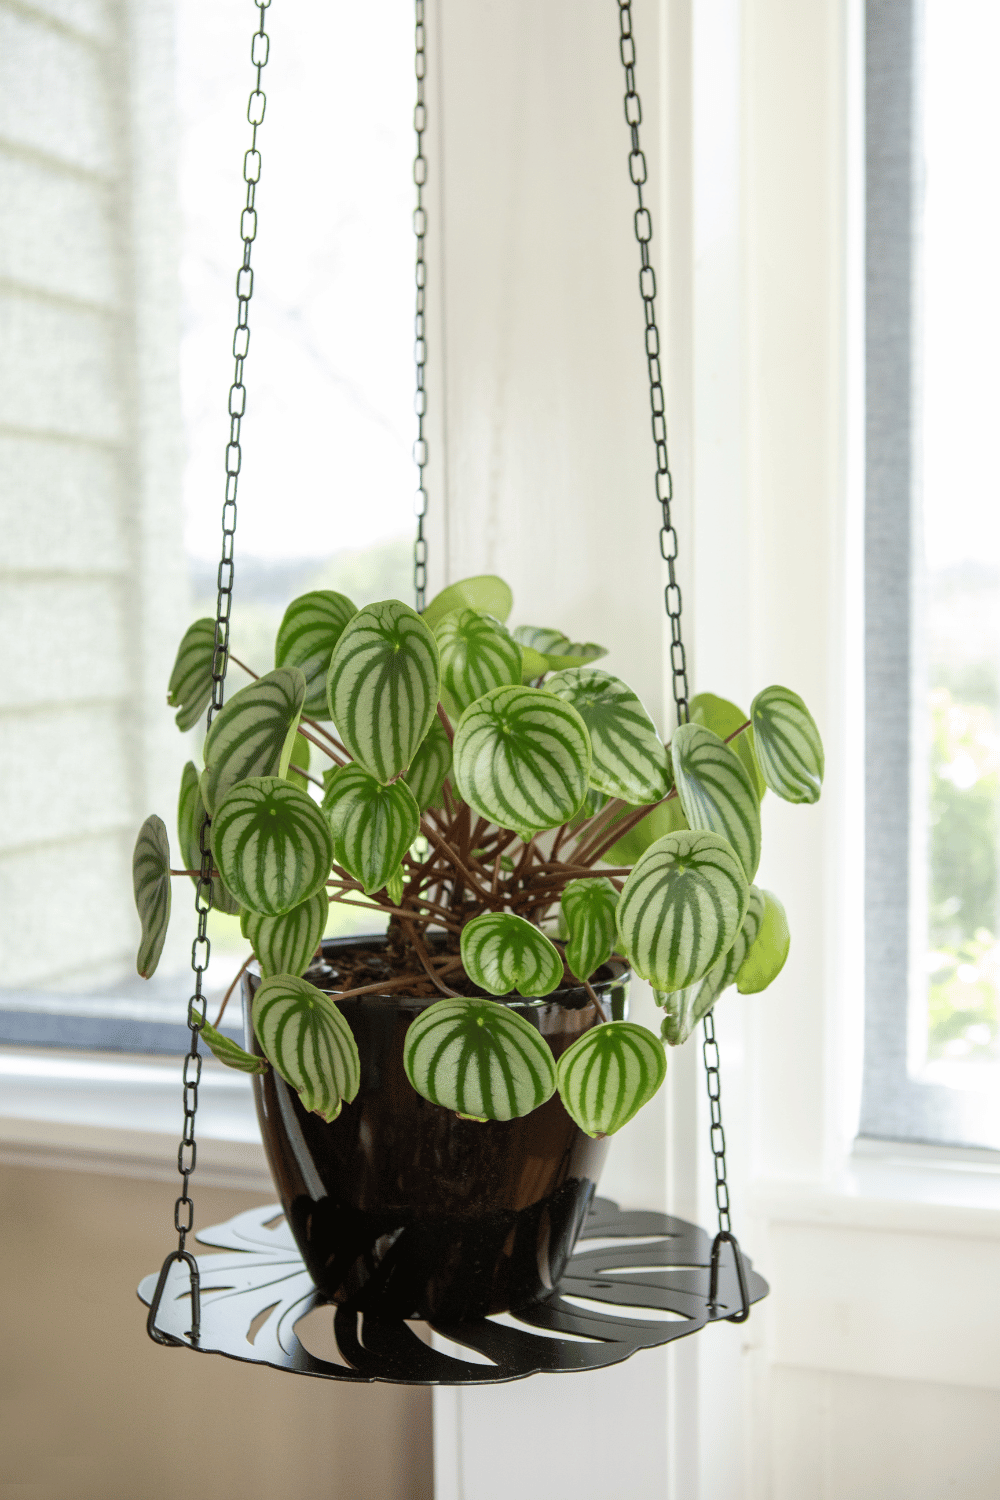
column 91, row 575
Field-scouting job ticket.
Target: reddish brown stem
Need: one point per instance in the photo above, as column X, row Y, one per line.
column 239, row 975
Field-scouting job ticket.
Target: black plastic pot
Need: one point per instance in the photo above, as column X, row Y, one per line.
column 399, row 1204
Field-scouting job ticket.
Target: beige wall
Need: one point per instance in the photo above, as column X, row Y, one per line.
column 92, row 1410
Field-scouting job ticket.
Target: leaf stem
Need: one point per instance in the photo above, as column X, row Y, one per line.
column 239, row 975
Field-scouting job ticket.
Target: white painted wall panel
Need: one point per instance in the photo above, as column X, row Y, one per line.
column 61, row 370
column 78, row 777
column 838, row 1437
column 896, row 1305
column 56, row 232
column 54, row 95
column 64, row 642
column 60, row 507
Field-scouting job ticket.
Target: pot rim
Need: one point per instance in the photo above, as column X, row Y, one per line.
column 575, row 998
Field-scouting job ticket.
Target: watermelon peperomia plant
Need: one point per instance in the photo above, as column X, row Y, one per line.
column 482, row 786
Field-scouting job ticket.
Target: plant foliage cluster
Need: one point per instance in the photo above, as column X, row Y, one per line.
column 513, row 810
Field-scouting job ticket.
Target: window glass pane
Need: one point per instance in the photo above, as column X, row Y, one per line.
column 327, row 481
column 956, row 1040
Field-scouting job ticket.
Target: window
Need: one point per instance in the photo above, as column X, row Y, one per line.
column 932, row 1064
column 120, row 199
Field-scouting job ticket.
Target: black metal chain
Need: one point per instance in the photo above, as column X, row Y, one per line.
column 647, row 288
column 201, row 948
column 672, row 599
column 419, row 321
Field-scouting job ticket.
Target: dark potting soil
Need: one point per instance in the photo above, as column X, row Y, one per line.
column 355, row 968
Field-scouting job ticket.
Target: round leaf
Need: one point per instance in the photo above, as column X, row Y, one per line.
column 715, row 791
column 608, row 1074
column 685, row 1008
column 272, row 845
column 287, row 944
column 681, row 908
column 190, row 686
column 485, row 591
column 522, row 759
column 373, row 825
column 430, row 766
column 252, row 734
column 557, row 649
column 312, row 625
column 151, row 885
column 191, row 815
column 304, row 1036
column 766, row 957
column 502, row 952
column 479, row 1059
column 724, row 718
column 477, row 654
column 630, row 761
column 383, row 686
column 787, row 744
column 589, row 909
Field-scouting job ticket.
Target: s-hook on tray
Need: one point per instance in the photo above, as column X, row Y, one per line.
column 646, row 1282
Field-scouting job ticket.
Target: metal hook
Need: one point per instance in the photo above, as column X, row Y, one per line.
column 724, row 1236
column 157, row 1334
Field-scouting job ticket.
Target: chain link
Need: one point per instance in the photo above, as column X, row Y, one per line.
column 717, row 1136
column 643, row 225
column 419, row 320
column 201, row 948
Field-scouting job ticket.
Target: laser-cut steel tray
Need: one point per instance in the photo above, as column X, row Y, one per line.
column 253, row 1296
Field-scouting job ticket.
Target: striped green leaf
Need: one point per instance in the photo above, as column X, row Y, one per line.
column 557, row 649
column 630, row 761
column 479, row 1059
column 533, row 664
column 589, row 909
column 383, row 686
column 715, row 791
column 287, row 944
column 151, row 885
column 272, row 845
column 681, row 908
column 373, row 825
column 608, row 1074
column 190, row 686
column 724, row 718
column 522, row 759
column 502, row 952
column 312, row 625
column 231, row 1053
column 305, row 1037
column 766, row 957
column 253, row 734
column 787, row 745
column 477, row 653
column 299, row 761
column 394, row 886
column 190, row 816
column 668, row 817
column 685, row 1008
column 430, row 766
column 485, row 591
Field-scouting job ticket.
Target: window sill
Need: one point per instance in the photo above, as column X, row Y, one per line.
column 895, row 1186
column 122, row 1115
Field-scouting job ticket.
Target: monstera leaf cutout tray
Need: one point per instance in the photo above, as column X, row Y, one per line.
column 636, row 1280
